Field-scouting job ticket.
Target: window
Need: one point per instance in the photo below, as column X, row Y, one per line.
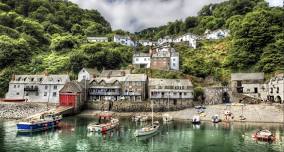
column 18, row 86
column 17, row 93
column 255, row 90
column 36, row 94
column 174, row 64
column 84, row 77
column 55, row 87
column 145, row 59
column 174, row 59
column 271, row 90
column 46, row 87
column 137, row 59
column 277, row 90
column 14, row 86
column 185, row 93
column 45, row 94
column 54, row 94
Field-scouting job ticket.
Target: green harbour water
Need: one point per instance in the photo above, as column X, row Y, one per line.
column 179, row 136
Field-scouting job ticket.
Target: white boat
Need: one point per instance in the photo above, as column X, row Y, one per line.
column 95, row 127
column 216, row 119
column 167, row 117
column 147, row 130
column 140, row 118
column 196, row 119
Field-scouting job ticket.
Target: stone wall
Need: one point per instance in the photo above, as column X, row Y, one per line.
column 128, row 106
column 215, row 95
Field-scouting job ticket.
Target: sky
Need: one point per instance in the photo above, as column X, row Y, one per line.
column 135, row 15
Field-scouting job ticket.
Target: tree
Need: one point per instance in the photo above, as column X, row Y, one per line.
column 95, row 29
column 64, row 43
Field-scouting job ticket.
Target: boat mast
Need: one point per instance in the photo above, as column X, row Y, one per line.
column 152, row 111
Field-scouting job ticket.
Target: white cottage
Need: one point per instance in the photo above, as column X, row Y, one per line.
column 166, row 39
column 189, row 37
column 276, row 89
column 97, row 39
column 147, row 43
column 217, row 34
column 87, row 74
column 123, row 40
column 275, row 3
column 141, row 60
column 37, row 88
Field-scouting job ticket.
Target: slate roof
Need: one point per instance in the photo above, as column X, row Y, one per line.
column 247, row 76
column 72, row 86
column 169, row 82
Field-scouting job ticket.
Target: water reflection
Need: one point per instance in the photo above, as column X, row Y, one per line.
column 176, row 136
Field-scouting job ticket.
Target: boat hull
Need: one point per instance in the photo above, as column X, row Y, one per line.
column 32, row 127
column 139, row 134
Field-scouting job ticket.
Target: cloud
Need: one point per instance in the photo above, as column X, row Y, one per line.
column 135, row 15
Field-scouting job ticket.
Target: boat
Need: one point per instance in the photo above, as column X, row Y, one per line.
column 196, row 119
column 147, row 130
column 153, row 128
column 44, row 122
column 167, row 117
column 96, row 127
column 216, row 119
column 140, row 118
column 263, row 135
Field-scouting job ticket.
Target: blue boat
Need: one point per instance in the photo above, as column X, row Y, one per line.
column 44, row 122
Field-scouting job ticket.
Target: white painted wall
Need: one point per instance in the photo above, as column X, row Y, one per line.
column 142, row 60
column 275, row 3
column 83, row 74
column 275, row 84
column 175, row 63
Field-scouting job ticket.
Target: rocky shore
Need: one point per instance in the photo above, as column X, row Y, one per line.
column 20, row 110
column 259, row 113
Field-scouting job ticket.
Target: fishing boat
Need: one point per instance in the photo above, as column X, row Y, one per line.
column 147, row 130
column 96, row 127
column 216, row 119
column 196, row 119
column 45, row 121
column 263, row 135
column 150, row 129
column 167, row 117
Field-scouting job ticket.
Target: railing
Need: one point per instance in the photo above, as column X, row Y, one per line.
column 105, row 93
column 27, row 88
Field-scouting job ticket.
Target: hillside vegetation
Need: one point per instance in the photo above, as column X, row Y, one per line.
column 39, row 35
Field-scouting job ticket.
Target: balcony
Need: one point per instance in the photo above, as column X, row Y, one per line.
column 27, row 88
column 132, row 93
column 104, row 93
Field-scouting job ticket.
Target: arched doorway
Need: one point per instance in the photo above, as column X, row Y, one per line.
column 225, row 97
column 278, row 99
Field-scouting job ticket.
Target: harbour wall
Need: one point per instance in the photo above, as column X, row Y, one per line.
column 145, row 106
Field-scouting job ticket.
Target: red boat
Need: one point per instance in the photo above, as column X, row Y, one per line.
column 263, row 135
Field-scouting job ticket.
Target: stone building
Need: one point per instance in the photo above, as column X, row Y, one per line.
column 118, row 85
column 276, row 89
column 176, row 91
column 250, row 84
column 73, row 94
column 160, row 58
column 36, row 88
column 87, row 74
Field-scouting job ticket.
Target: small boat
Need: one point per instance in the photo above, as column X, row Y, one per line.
column 216, row 119
column 263, row 135
column 147, row 130
column 95, row 127
column 140, row 118
column 167, row 117
column 196, row 119
column 44, row 122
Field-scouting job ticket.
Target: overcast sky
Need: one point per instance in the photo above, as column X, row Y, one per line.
column 135, row 15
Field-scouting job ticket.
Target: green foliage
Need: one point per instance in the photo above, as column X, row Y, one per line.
column 9, row 32
column 199, row 94
column 96, row 29
column 64, row 43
